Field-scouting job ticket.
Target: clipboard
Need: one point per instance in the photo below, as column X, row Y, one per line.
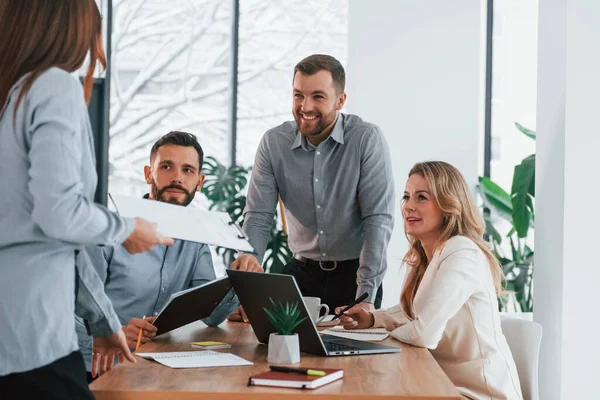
column 191, row 305
column 185, row 223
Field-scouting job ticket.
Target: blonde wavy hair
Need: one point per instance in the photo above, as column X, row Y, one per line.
column 461, row 218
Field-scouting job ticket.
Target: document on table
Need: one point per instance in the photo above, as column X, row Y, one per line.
column 328, row 321
column 185, row 223
column 195, row 359
column 367, row 335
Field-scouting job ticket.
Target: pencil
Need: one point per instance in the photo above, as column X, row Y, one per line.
column 137, row 346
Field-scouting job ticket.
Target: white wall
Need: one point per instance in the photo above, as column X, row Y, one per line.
column 567, row 271
column 415, row 68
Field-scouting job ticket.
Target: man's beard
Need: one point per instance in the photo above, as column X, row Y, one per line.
column 323, row 123
column 157, row 194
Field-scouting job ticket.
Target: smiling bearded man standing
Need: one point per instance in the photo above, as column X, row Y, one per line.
column 333, row 173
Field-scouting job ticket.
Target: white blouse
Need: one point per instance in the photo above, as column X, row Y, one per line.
column 457, row 319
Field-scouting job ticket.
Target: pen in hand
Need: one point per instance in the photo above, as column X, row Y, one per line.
column 349, row 306
column 137, row 346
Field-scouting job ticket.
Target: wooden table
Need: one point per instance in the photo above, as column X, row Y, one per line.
column 411, row 374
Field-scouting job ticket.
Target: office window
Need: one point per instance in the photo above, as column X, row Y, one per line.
column 274, row 36
column 170, row 71
column 514, row 85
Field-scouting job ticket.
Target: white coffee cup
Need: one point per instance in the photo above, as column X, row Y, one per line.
column 313, row 305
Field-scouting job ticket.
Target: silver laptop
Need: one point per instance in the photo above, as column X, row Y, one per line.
column 254, row 290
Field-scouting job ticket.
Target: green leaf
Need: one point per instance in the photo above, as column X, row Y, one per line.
column 222, row 184
column 522, row 206
column 515, row 254
column 526, row 131
column 228, row 255
column 278, row 253
column 284, row 318
column 530, row 206
column 235, row 209
column 272, row 317
column 490, row 229
column 294, row 325
column 495, row 198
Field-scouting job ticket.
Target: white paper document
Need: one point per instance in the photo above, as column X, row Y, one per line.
column 367, row 335
column 196, row 359
column 185, row 223
column 328, row 321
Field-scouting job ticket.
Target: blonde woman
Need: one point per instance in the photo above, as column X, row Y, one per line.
column 449, row 302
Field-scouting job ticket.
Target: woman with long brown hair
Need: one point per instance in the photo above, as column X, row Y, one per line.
column 449, row 302
column 47, row 213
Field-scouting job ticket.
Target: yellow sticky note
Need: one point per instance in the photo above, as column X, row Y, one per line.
column 210, row 345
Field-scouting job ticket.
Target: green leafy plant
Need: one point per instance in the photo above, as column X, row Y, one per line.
column 284, row 318
column 517, row 208
column 222, row 184
column 223, row 187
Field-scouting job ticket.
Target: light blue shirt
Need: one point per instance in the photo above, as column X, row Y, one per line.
column 141, row 284
column 338, row 196
column 48, row 179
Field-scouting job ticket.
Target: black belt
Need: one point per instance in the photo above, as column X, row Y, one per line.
column 326, row 266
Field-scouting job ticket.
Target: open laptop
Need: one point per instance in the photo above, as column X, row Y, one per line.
column 254, row 290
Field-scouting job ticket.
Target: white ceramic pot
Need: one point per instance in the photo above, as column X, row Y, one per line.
column 519, row 315
column 283, row 349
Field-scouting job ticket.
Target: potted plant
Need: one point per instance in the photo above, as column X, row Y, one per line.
column 284, row 347
column 511, row 248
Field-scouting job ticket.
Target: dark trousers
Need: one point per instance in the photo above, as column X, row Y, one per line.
column 90, row 378
column 62, row 379
column 335, row 288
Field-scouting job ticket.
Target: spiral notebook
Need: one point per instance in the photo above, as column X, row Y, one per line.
column 367, row 335
column 195, row 359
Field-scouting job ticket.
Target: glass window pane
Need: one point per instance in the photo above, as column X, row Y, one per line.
column 514, row 85
column 274, row 36
column 170, row 71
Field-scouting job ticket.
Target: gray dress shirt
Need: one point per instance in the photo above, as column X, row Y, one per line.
column 338, row 196
column 141, row 284
column 48, row 179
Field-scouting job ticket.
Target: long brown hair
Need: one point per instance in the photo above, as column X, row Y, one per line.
column 461, row 217
column 40, row 34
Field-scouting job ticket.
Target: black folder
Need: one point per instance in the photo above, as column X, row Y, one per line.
column 191, row 305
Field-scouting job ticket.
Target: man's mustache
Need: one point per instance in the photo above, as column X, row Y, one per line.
column 174, row 186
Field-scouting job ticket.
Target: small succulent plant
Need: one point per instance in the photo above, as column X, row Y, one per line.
column 284, row 318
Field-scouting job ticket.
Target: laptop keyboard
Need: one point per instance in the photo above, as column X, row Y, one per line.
column 332, row 346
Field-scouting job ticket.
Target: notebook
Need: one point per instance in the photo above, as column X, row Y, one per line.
column 293, row 380
column 367, row 335
column 195, row 359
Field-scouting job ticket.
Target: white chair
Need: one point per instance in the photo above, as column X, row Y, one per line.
column 524, row 339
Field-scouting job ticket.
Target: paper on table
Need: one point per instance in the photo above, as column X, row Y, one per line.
column 185, row 223
column 196, row 359
column 327, row 321
column 367, row 335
